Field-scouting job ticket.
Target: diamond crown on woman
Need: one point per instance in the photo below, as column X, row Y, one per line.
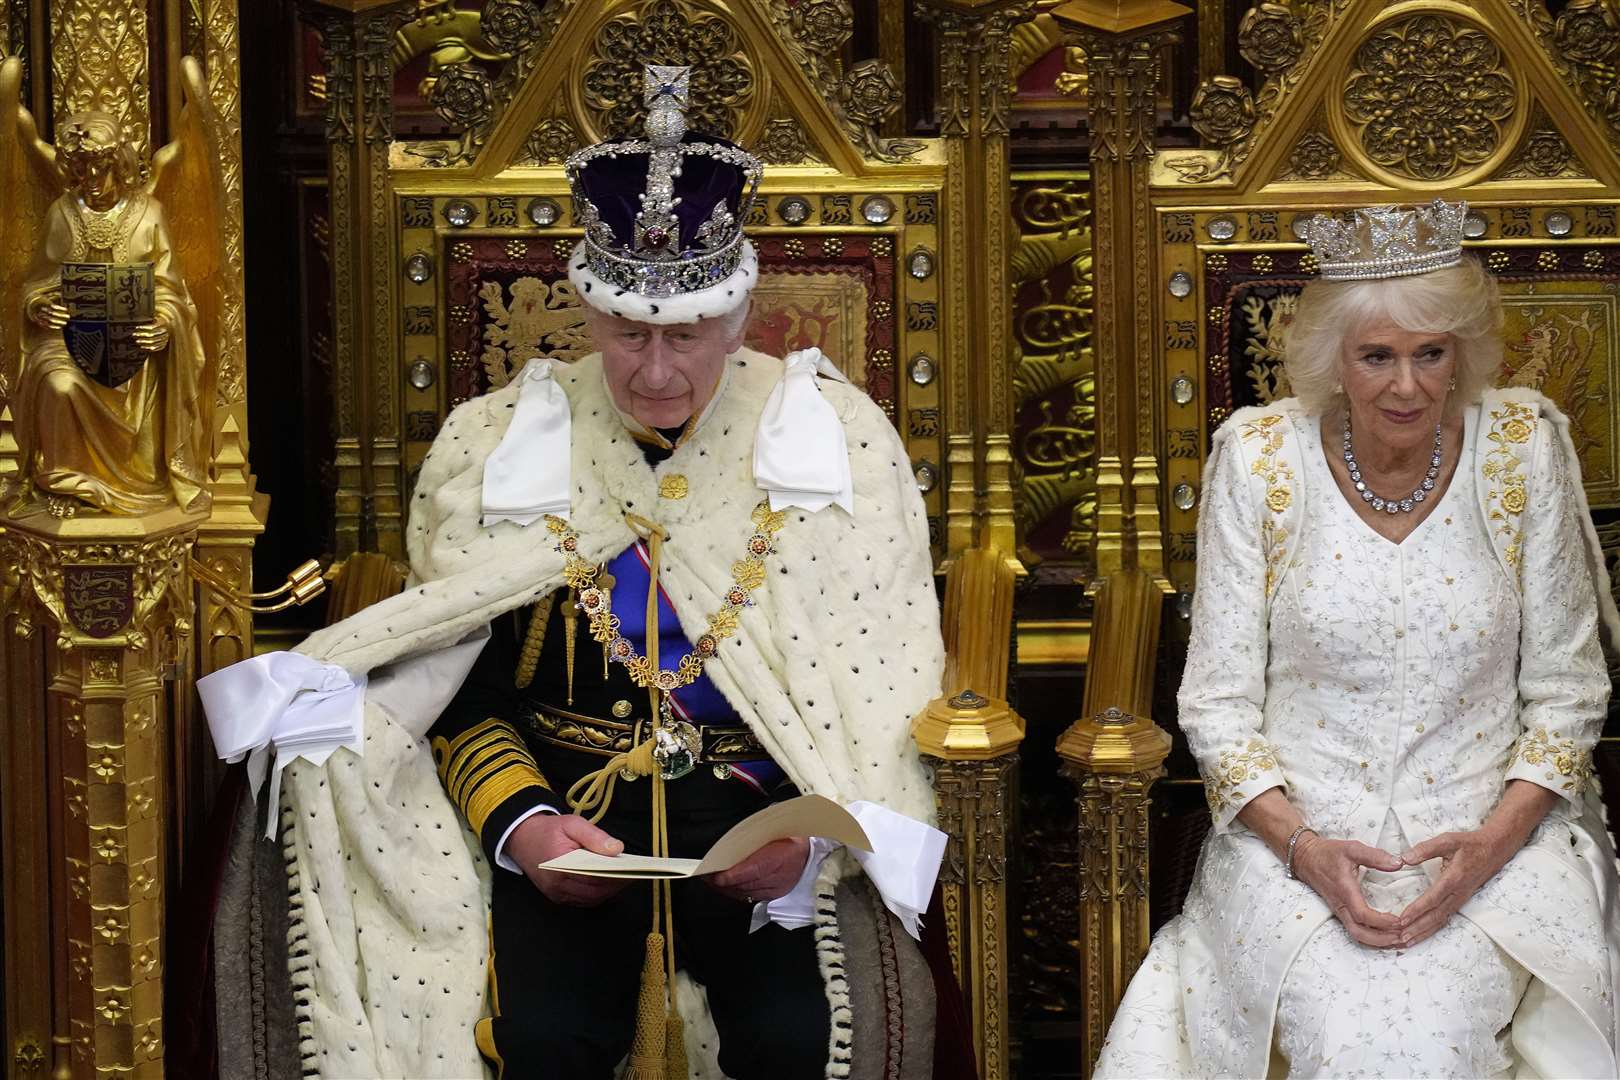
column 1379, row 242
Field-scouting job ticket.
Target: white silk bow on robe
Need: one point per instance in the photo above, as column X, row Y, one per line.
column 800, row 457
column 527, row 476
column 302, row 707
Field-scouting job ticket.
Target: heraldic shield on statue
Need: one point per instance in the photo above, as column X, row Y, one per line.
column 111, row 280
column 107, row 302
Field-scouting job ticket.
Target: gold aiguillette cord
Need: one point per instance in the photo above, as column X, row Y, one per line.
column 658, row 1051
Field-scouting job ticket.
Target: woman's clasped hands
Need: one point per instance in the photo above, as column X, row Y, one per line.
column 1333, row 868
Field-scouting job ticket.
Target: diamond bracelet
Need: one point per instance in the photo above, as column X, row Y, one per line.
column 1293, row 841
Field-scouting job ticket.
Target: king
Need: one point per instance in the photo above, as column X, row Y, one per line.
column 654, row 591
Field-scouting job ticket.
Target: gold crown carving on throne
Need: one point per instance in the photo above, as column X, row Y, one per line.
column 1378, row 242
column 663, row 213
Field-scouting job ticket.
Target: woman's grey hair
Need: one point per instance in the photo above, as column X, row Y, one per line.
column 1461, row 300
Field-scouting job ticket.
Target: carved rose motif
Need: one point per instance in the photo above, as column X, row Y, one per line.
column 1271, row 38
column 463, row 95
column 1546, row 154
column 1222, row 110
column 1315, row 156
column 1430, row 96
column 870, row 92
column 823, row 25
column 1587, row 31
column 782, row 144
column 552, row 141
column 510, row 25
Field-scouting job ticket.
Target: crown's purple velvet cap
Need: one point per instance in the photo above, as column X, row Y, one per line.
column 614, row 185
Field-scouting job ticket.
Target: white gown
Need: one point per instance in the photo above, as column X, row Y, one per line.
column 1391, row 690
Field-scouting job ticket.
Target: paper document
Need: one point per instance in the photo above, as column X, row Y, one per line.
column 807, row 815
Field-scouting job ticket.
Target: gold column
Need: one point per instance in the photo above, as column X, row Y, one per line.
column 225, row 541
column 891, row 49
column 356, row 42
column 1114, row 752
column 111, row 595
column 1113, row 760
column 975, row 91
column 1211, row 38
column 969, row 740
column 1122, row 45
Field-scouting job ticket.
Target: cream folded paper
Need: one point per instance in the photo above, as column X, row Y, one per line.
column 807, row 815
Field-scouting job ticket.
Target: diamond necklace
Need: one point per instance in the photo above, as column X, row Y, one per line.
column 1391, row 506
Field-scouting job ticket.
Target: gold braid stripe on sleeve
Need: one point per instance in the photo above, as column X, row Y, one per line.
column 484, row 766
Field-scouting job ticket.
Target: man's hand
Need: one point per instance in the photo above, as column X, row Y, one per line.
column 768, row 873
column 1471, row 859
column 152, row 336
column 543, row 837
column 1333, row 869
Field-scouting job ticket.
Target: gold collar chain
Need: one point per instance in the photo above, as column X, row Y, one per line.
column 747, row 574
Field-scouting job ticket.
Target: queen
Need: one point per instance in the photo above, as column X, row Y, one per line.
column 1393, row 688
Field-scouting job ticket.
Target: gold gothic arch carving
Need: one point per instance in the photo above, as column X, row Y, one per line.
column 448, row 252
column 1353, row 102
column 931, row 212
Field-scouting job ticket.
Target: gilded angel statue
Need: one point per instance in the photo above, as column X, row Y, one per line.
column 111, row 290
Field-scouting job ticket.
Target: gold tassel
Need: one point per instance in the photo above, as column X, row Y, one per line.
column 570, row 636
column 675, row 1048
column 534, row 641
column 675, row 1033
column 647, row 1051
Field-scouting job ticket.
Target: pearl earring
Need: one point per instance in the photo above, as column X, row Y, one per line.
column 1453, row 385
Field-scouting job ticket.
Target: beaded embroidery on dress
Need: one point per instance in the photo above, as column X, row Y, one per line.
column 1389, row 685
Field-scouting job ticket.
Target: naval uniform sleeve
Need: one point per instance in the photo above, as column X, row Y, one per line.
column 481, row 758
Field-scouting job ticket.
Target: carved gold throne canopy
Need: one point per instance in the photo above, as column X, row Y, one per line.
column 1499, row 103
column 469, row 233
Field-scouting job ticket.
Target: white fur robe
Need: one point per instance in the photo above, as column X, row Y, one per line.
column 839, row 651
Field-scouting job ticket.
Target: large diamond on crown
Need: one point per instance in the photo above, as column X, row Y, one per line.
column 685, row 232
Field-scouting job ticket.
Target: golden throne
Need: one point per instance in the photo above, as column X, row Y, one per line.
column 888, row 252
column 1508, row 105
column 444, row 256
